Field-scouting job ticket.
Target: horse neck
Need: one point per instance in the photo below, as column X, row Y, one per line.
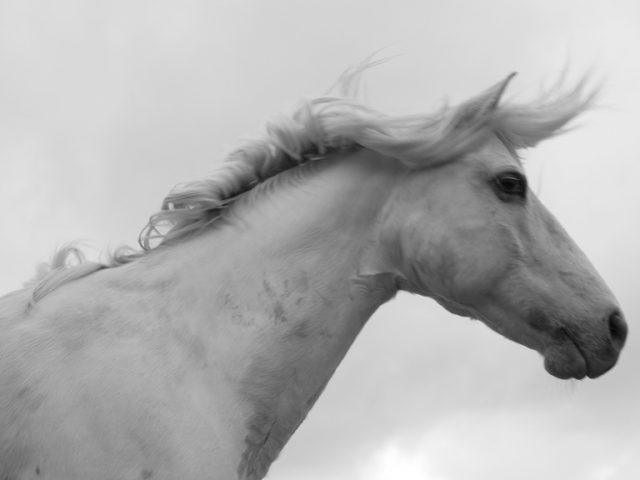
column 282, row 291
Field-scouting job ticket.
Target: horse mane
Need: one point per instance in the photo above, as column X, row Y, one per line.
column 319, row 128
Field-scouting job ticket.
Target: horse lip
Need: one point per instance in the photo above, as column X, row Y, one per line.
column 576, row 344
column 562, row 346
column 590, row 374
column 590, row 369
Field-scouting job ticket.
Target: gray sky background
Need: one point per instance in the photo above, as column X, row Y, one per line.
column 104, row 106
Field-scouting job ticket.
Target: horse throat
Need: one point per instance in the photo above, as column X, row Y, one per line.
column 284, row 380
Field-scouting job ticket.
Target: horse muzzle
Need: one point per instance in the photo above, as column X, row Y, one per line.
column 578, row 356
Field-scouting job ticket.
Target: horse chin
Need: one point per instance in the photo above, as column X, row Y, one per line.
column 565, row 361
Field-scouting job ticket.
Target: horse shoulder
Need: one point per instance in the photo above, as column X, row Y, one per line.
column 96, row 369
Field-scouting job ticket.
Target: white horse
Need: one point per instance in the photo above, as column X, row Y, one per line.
column 198, row 356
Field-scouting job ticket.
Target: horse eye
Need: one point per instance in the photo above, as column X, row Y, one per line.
column 511, row 184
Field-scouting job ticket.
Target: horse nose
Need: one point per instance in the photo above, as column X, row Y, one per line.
column 608, row 355
column 617, row 330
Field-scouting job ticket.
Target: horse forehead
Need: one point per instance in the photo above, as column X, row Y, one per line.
column 494, row 153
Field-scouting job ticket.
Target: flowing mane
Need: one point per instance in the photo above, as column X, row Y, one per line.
column 318, row 128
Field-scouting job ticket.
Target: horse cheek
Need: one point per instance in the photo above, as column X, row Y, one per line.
column 476, row 266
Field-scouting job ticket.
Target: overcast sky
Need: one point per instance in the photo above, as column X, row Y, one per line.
column 104, row 106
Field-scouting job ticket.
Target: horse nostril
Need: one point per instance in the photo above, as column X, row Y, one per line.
column 618, row 329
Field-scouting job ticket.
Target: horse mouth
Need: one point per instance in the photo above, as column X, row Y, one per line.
column 565, row 360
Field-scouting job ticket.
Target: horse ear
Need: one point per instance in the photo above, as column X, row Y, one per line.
column 485, row 103
column 491, row 98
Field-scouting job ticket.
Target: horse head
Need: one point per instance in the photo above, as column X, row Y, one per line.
column 471, row 234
